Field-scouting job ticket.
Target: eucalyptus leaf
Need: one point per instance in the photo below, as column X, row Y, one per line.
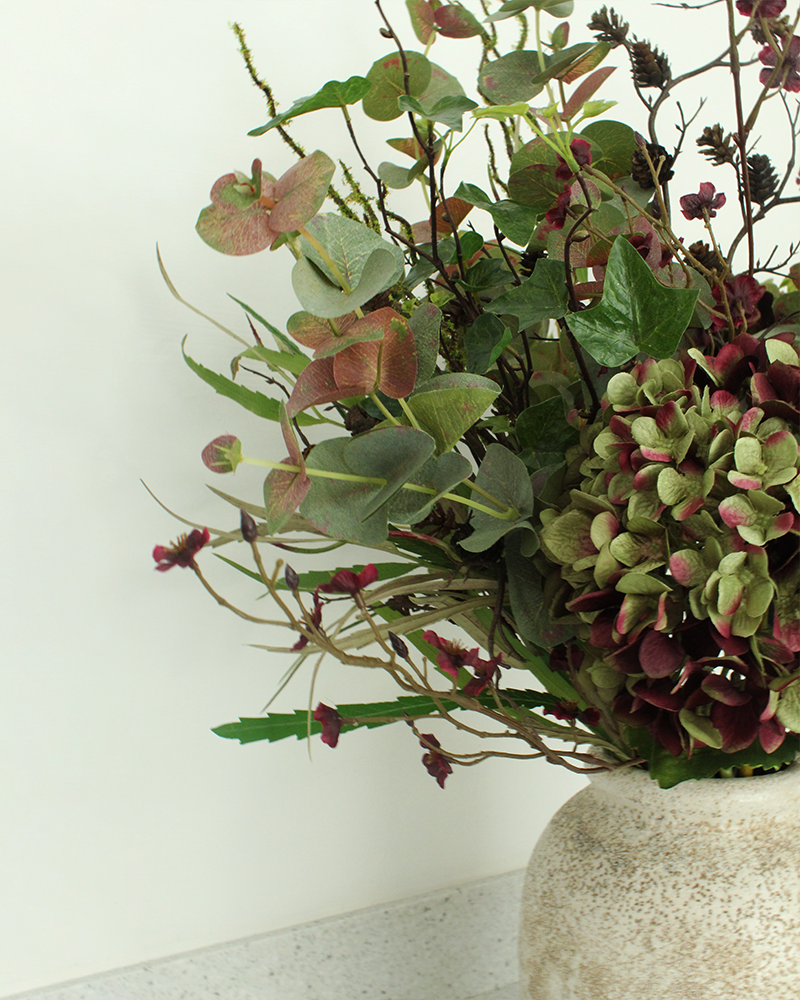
column 322, row 298
column 449, row 405
column 349, row 244
column 503, row 476
column 439, row 474
column 425, row 323
column 636, row 313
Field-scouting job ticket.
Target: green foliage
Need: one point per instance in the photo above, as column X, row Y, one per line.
column 636, row 313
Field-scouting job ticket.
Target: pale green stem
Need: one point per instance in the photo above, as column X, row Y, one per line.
column 315, row 243
column 540, row 52
column 407, row 410
column 507, row 515
column 374, row 397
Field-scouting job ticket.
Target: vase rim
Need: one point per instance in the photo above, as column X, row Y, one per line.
column 774, row 793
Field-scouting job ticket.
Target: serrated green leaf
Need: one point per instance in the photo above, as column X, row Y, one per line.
column 669, row 771
column 250, row 400
column 636, row 313
column 334, row 94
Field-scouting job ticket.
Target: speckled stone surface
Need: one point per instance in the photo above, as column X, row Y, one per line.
column 693, row 892
column 456, row 944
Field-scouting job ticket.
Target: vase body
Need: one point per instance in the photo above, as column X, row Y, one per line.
column 635, row 892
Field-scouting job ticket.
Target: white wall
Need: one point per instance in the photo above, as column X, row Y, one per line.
column 127, row 830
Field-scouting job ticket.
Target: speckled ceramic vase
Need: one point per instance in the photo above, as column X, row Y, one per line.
column 690, row 893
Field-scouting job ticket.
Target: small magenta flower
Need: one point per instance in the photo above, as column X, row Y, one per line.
column 182, row 553
column 435, row 763
column 789, row 76
column 452, row 656
column 760, row 8
column 348, row 582
column 695, row 206
column 331, row 723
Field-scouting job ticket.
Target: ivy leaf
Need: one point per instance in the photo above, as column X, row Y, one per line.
column 448, row 110
column 485, row 341
column 514, row 220
column 544, row 434
column 334, row 94
column 636, row 313
column 387, row 84
column 542, row 296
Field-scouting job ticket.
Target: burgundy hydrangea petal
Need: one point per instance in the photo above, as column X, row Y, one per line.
column 738, row 725
column 660, row 655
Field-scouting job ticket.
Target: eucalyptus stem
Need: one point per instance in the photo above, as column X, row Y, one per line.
column 507, row 512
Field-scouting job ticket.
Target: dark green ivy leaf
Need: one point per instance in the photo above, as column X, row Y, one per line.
column 636, row 313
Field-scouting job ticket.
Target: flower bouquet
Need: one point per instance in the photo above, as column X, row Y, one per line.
column 560, row 413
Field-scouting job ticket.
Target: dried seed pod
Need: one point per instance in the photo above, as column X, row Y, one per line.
column 762, row 178
column 704, row 255
column 527, row 261
column 649, row 66
column 609, row 27
column 357, row 420
column 398, row 645
column 640, row 168
column 291, row 578
column 249, row 527
column 719, row 149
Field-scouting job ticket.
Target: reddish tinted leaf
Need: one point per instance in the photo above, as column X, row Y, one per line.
column 457, row 210
column 455, row 21
column 355, row 369
column 315, row 333
column 584, row 92
column 237, row 222
column 592, row 58
column 300, row 192
column 314, row 385
column 398, row 362
column 285, row 491
column 421, row 14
